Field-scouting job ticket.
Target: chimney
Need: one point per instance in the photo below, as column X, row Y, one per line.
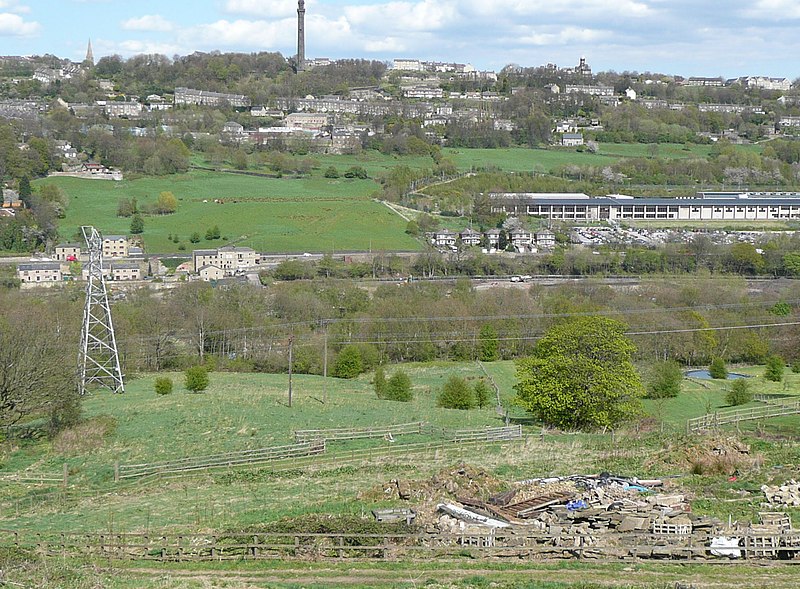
column 301, row 35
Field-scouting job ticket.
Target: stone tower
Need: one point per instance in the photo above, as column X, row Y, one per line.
column 89, row 54
column 301, row 35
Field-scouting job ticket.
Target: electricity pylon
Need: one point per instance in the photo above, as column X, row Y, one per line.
column 99, row 359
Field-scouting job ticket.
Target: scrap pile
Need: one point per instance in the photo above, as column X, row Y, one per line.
column 590, row 503
column 785, row 495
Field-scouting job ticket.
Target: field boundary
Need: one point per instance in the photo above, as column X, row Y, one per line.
column 358, row 433
column 226, row 460
column 198, row 547
column 718, row 418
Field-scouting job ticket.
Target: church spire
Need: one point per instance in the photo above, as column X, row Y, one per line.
column 89, row 54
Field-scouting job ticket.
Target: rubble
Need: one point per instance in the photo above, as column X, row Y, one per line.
column 710, row 455
column 785, row 495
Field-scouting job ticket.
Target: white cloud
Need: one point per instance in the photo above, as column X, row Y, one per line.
column 386, row 45
column 148, row 22
column 137, row 47
column 262, row 8
column 13, row 25
column 14, row 6
column 774, row 9
column 576, row 9
column 425, row 15
column 565, row 36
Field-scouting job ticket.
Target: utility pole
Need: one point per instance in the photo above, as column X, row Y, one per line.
column 291, row 344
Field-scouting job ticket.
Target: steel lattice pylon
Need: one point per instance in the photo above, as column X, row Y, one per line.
column 99, row 359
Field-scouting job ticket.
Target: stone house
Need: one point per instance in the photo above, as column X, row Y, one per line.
column 115, row 246
column 41, row 272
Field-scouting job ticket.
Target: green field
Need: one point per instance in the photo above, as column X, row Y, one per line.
column 311, row 213
column 269, row 214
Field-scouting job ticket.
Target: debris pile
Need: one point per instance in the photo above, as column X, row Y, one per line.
column 583, row 503
column 711, row 455
column 785, row 495
column 447, row 483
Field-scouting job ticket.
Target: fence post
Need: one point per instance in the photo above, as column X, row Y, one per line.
column 66, row 474
column 116, row 471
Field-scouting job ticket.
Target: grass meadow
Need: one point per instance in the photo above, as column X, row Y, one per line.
column 311, row 213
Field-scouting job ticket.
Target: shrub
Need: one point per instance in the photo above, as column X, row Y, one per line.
column 665, row 380
column 349, row 363
column 739, row 393
column 483, row 395
column 163, row 385
column 717, row 369
column 398, row 387
column 380, row 382
column 331, row 172
column 775, row 367
column 196, row 378
column 796, row 367
column 456, row 394
column 356, row 172
column 194, row 237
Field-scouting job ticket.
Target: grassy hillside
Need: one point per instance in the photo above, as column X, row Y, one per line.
column 268, row 214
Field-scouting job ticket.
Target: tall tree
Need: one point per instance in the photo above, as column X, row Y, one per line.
column 580, row 375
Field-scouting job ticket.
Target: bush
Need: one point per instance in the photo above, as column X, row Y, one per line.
column 456, row 394
column 349, row 363
column 665, row 380
column 796, row 367
column 398, row 387
column 775, row 367
column 163, row 385
column 356, row 172
column 717, row 369
column 194, row 237
column 739, row 393
column 331, row 172
column 483, row 395
column 196, row 378
column 380, row 383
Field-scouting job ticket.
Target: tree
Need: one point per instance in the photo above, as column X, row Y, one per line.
column 137, row 224
column 717, row 369
column 398, row 387
column 194, row 237
column 739, row 393
column 456, row 394
column 580, row 375
column 196, row 378
column 163, row 385
column 36, row 375
column 167, row 203
column 665, row 380
column 774, row 370
column 125, row 207
column 483, row 395
column 380, row 382
column 212, row 233
column 25, row 190
column 349, row 363
column 331, row 172
column 489, row 344
column 412, row 228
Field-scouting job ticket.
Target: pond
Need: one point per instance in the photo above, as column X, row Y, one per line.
column 704, row 375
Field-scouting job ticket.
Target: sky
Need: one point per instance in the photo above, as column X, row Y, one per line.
column 686, row 37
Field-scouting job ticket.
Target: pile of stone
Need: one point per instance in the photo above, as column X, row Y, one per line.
column 785, row 495
column 600, row 503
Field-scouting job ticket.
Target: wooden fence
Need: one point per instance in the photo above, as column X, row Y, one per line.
column 227, row 460
column 288, row 545
column 718, row 418
column 488, row 434
column 339, row 434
